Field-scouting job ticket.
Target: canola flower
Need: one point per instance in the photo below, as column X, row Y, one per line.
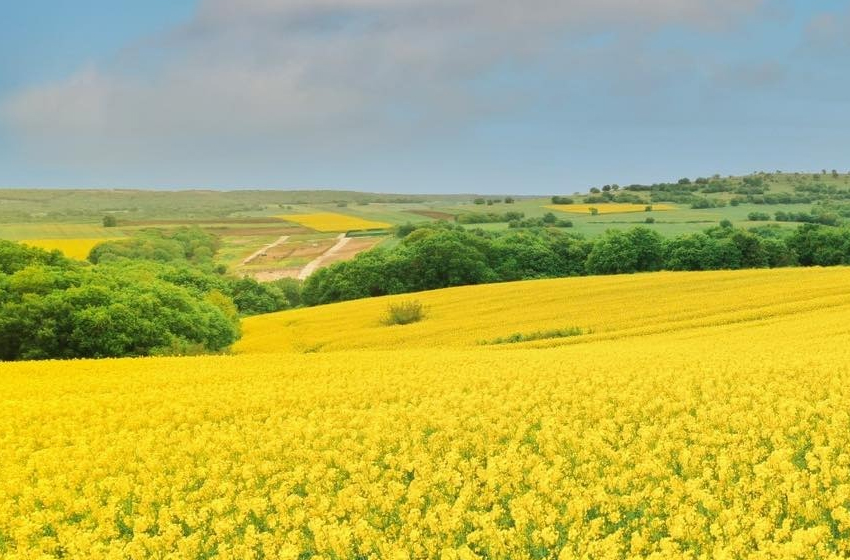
column 607, row 208
column 333, row 222
column 673, row 304
column 689, row 427
column 78, row 248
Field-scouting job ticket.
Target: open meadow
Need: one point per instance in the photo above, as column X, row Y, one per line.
column 662, row 415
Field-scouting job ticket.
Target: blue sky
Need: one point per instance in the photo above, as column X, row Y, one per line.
column 513, row 96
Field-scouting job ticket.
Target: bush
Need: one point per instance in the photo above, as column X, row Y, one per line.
column 758, row 216
column 404, row 313
column 110, row 221
column 537, row 335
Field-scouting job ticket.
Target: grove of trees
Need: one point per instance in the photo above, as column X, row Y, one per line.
column 441, row 255
column 151, row 295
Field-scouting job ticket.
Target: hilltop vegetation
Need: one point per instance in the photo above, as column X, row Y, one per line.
column 438, row 256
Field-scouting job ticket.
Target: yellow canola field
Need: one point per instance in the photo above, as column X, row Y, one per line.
column 332, row 222
column 673, row 304
column 607, row 208
column 72, row 248
column 706, row 416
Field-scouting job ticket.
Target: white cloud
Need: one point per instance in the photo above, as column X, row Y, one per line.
column 302, row 75
column 827, row 32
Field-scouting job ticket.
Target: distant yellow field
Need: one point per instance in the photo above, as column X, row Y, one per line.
column 703, row 415
column 331, row 222
column 608, row 208
column 72, row 248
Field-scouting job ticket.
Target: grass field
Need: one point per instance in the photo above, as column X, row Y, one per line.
column 609, row 208
column 58, row 230
column 701, row 415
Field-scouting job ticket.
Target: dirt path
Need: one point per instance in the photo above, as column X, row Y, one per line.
column 311, row 267
column 259, row 252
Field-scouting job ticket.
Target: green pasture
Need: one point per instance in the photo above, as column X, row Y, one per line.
column 57, row 230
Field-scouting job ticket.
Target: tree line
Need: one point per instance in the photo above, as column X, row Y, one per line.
column 441, row 255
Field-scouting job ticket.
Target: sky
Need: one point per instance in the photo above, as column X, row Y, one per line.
column 419, row 96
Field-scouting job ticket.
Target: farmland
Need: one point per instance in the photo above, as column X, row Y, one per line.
column 698, row 415
column 333, row 222
column 248, row 220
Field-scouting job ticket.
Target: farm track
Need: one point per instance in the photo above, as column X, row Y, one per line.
column 311, row 267
column 262, row 250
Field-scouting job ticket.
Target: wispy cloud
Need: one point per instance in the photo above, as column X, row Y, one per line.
column 283, row 78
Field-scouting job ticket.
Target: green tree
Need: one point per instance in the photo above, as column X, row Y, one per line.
column 616, row 252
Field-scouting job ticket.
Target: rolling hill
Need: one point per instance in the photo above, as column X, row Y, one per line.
column 699, row 414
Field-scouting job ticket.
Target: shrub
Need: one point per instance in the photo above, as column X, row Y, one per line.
column 537, row 335
column 404, row 313
column 758, row 216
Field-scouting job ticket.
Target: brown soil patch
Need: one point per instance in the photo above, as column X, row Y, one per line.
column 355, row 246
column 307, row 250
column 271, row 275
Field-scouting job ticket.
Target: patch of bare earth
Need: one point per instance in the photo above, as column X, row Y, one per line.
column 317, row 255
column 355, row 246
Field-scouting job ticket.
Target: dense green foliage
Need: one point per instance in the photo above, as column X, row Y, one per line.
column 488, row 218
column 189, row 252
column 51, row 307
column 158, row 293
column 442, row 255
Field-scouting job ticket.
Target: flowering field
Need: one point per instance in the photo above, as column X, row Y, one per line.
column 332, row 222
column 700, row 415
column 72, row 248
column 607, row 208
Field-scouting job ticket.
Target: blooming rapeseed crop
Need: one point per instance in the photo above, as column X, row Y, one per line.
column 331, row 222
column 72, row 248
column 705, row 415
